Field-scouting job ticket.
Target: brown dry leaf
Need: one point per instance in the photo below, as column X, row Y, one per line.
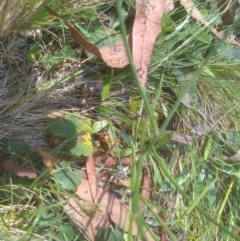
column 48, row 160
column 18, row 170
column 182, row 138
column 164, row 234
column 108, row 206
column 169, row 6
column 195, row 13
column 91, row 175
column 114, row 56
column 146, row 28
column 111, row 161
column 84, row 215
column 234, row 158
column 91, row 217
column 146, row 185
column 122, row 181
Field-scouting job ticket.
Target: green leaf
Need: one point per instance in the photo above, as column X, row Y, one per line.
column 104, row 37
column 228, row 52
column 204, row 37
column 180, row 180
column 124, row 15
column 73, row 126
column 70, row 125
column 109, row 235
column 81, row 146
column 157, row 178
column 232, row 139
column 207, row 72
column 208, row 148
column 105, row 89
column 125, row 152
column 229, row 169
column 107, row 85
column 64, row 164
column 167, row 24
column 127, row 138
column 83, row 31
column 66, row 178
column 69, row 232
column 98, row 125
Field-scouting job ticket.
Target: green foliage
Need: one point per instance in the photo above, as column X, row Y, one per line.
column 70, row 125
column 184, row 177
column 109, row 235
column 82, row 146
column 69, row 232
column 196, row 188
column 50, row 59
column 98, row 125
column 12, row 148
column 77, row 131
column 228, row 52
column 106, row 85
column 67, row 178
column 164, row 139
column 168, row 26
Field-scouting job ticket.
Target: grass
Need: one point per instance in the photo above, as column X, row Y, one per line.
column 195, row 189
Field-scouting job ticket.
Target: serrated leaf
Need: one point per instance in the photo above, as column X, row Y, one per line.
column 228, row 169
column 70, row 125
column 232, row 139
column 81, row 146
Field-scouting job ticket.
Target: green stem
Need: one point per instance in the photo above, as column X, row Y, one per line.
column 142, row 91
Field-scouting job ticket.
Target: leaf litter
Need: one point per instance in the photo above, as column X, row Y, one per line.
column 48, row 160
column 96, row 206
column 114, row 56
column 15, row 168
column 146, row 28
column 145, row 31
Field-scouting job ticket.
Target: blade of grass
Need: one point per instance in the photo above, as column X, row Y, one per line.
column 211, row 219
column 141, row 90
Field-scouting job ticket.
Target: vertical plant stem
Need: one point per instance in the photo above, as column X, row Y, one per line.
column 219, row 213
column 141, row 90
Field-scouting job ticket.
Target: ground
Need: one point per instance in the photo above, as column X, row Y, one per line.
column 57, row 103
